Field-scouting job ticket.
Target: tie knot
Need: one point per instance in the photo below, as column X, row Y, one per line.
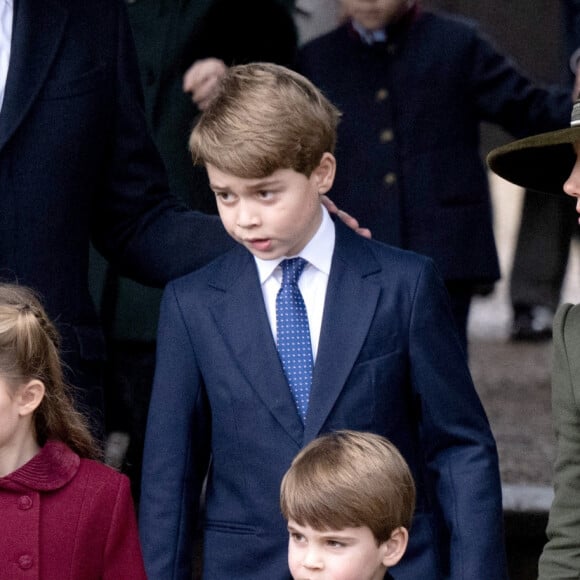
column 291, row 270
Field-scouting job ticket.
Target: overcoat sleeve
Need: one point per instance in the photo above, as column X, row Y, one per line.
column 137, row 223
column 560, row 558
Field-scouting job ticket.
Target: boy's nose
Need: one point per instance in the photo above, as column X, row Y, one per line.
column 312, row 559
column 247, row 217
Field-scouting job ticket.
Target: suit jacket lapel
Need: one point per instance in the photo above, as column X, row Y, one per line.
column 351, row 301
column 36, row 34
column 242, row 318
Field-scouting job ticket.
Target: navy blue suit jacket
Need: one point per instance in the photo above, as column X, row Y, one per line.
column 389, row 362
column 77, row 162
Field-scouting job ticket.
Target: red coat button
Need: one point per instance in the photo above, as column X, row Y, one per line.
column 25, row 561
column 24, row 502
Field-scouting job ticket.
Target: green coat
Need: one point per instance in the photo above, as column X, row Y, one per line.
column 561, row 556
column 170, row 35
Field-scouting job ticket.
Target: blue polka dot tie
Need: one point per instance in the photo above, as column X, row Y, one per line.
column 293, row 338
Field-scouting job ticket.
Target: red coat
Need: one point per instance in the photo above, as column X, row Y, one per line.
column 65, row 518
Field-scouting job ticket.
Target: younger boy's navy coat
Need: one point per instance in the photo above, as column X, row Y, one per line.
column 389, row 362
column 409, row 160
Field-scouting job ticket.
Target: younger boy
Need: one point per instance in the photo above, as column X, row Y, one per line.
column 348, row 498
column 414, row 87
column 302, row 329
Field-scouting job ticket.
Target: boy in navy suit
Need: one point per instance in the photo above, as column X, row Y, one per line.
column 304, row 328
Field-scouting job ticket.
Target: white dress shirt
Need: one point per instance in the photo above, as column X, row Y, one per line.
column 312, row 283
column 6, row 16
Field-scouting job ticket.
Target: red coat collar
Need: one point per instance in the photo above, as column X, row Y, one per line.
column 51, row 468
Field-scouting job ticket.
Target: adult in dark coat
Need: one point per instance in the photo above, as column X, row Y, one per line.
column 170, row 35
column 77, row 163
column 409, row 163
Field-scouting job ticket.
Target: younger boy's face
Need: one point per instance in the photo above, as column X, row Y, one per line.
column 348, row 554
column 275, row 216
column 375, row 14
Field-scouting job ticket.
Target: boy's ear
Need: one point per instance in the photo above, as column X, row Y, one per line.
column 395, row 546
column 324, row 173
column 29, row 396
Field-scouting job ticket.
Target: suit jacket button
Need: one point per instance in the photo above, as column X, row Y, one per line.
column 382, row 95
column 25, row 561
column 387, row 136
column 389, row 179
column 24, row 502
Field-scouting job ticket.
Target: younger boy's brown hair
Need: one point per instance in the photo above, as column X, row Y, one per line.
column 264, row 117
column 349, row 479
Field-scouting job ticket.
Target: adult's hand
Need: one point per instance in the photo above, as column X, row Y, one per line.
column 201, row 80
column 346, row 218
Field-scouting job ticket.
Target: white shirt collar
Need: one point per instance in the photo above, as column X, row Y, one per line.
column 369, row 36
column 317, row 252
column 6, row 18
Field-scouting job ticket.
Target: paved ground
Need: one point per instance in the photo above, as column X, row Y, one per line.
column 513, row 381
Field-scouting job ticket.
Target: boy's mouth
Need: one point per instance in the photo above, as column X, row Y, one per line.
column 260, row 244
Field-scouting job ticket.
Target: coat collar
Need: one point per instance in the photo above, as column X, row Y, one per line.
column 36, row 35
column 350, row 304
column 51, row 468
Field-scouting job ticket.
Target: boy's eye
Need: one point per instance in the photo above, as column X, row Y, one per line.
column 224, row 196
column 336, row 544
column 296, row 537
column 265, row 195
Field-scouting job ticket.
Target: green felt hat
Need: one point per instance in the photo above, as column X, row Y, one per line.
column 541, row 162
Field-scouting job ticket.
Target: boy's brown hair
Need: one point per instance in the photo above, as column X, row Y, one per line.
column 264, row 117
column 349, row 479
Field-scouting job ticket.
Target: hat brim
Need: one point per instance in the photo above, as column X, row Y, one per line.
column 541, row 162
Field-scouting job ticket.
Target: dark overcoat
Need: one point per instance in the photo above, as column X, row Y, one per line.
column 170, row 35
column 77, row 163
column 409, row 160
